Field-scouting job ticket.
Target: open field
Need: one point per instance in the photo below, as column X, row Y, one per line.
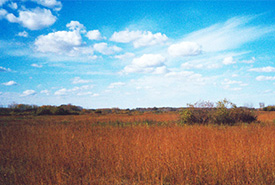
column 101, row 149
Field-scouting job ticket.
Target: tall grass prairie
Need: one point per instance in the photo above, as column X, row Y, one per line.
column 80, row 150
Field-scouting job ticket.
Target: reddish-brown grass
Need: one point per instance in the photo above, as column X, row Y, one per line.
column 74, row 150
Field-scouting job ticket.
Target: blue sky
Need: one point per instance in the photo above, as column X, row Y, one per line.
column 127, row 54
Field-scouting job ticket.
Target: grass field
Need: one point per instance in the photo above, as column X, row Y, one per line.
column 134, row 149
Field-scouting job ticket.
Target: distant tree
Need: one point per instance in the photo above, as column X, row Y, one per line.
column 262, row 105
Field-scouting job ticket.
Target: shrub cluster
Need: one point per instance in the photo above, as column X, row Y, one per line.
column 269, row 108
column 225, row 112
column 60, row 110
column 24, row 109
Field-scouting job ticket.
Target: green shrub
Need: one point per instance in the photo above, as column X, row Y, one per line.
column 269, row 108
column 225, row 112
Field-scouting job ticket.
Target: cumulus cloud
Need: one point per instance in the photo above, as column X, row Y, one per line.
column 104, row 49
column 3, row 13
column 228, row 61
column 10, row 83
column 139, row 38
column 58, row 42
column 13, row 6
column 28, row 93
column 228, row 35
column 61, row 92
column 47, row 92
column 3, row 69
column 267, row 69
column 147, row 63
column 76, row 26
column 56, row 5
column 34, row 19
column 94, row 35
column 78, row 80
column 184, row 49
column 23, row 34
column 265, row 78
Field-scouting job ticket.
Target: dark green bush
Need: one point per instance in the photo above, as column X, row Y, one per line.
column 269, row 108
column 224, row 113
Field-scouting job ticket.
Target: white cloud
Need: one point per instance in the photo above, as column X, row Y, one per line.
column 10, row 83
column 229, row 35
column 56, row 5
column 3, row 69
column 147, row 63
column 184, row 49
column 3, row 2
column 47, row 92
column 265, row 78
column 13, row 6
column 34, row 19
column 61, row 92
column 58, row 42
column 251, row 61
column 3, row 13
column 116, row 84
column 267, row 69
column 76, row 26
column 228, row 61
column 94, row 35
column 210, row 60
column 233, row 82
column 23, row 34
column 28, row 93
column 75, row 90
column 104, row 49
column 125, row 56
column 78, row 80
column 37, row 65
column 139, row 38
column 233, row 85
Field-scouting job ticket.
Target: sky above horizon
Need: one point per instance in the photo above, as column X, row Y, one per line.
column 128, row 54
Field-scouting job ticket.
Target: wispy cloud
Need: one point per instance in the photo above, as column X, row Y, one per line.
column 267, row 69
column 228, row 35
column 116, row 84
column 3, row 69
column 37, row 65
column 78, row 80
column 265, row 78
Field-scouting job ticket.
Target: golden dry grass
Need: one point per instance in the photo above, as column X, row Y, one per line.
column 74, row 150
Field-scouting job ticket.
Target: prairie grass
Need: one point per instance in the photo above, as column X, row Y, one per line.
column 76, row 150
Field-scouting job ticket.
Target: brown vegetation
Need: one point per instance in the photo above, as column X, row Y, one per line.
column 81, row 150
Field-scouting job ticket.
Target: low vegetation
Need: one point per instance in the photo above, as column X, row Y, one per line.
column 134, row 147
column 269, row 108
column 76, row 150
column 225, row 112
